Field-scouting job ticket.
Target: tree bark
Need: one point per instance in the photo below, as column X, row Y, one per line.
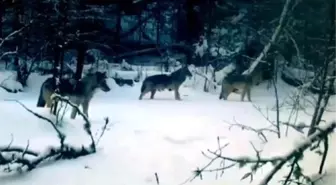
column 81, row 50
column 118, row 25
column 2, row 13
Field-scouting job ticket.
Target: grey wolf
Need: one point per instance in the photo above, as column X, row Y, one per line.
column 79, row 93
column 162, row 82
column 239, row 83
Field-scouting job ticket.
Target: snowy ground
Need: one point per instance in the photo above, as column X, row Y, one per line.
column 160, row 136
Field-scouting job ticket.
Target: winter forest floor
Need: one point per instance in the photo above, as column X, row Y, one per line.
column 160, row 136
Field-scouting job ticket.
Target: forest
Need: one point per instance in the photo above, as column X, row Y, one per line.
column 99, row 59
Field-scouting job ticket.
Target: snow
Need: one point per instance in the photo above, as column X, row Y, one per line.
column 215, row 51
column 160, row 136
column 200, row 49
column 7, row 80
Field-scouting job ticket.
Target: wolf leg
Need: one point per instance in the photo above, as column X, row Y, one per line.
column 243, row 93
column 41, row 101
column 152, row 94
column 73, row 113
column 49, row 102
column 74, row 110
column 142, row 94
column 222, row 92
column 225, row 92
column 177, row 94
column 144, row 90
column 248, row 91
column 47, row 98
column 86, row 108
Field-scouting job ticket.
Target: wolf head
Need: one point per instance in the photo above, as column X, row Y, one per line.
column 101, row 81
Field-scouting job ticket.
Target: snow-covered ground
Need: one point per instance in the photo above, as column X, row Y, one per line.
column 160, row 136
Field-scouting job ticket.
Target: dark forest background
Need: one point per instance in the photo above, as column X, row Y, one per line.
column 144, row 32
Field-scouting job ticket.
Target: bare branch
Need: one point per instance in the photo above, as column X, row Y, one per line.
column 59, row 133
column 273, row 38
column 87, row 124
column 2, row 41
column 318, row 135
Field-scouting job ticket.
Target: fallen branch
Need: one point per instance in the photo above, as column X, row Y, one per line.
column 18, row 149
column 17, row 155
column 61, row 136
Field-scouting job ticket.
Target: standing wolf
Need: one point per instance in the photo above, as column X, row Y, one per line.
column 79, row 94
column 239, row 82
column 161, row 82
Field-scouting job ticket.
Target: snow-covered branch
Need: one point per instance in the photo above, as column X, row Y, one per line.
column 9, row 36
column 10, row 155
column 259, row 161
column 298, row 151
column 8, row 53
column 239, row 17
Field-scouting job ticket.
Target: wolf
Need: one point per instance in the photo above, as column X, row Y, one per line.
column 162, row 82
column 240, row 83
column 80, row 93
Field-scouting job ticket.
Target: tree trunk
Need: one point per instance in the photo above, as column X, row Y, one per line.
column 56, row 74
column 206, row 87
column 2, row 13
column 158, row 23
column 57, row 53
column 195, row 26
column 81, row 50
column 118, row 25
column 20, row 70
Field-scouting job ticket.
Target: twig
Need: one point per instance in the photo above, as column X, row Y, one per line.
column 87, row 124
column 157, row 179
column 62, row 152
column 59, row 133
column 2, row 41
column 103, row 130
column 260, row 131
column 318, row 135
column 18, row 149
column 204, row 76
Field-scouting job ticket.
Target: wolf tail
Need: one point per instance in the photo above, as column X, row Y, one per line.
column 41, row 101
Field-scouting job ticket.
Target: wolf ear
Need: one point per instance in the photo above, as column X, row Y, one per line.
column 102, row 74
column 191, row 66
column 105, row 74
column 184, row 65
